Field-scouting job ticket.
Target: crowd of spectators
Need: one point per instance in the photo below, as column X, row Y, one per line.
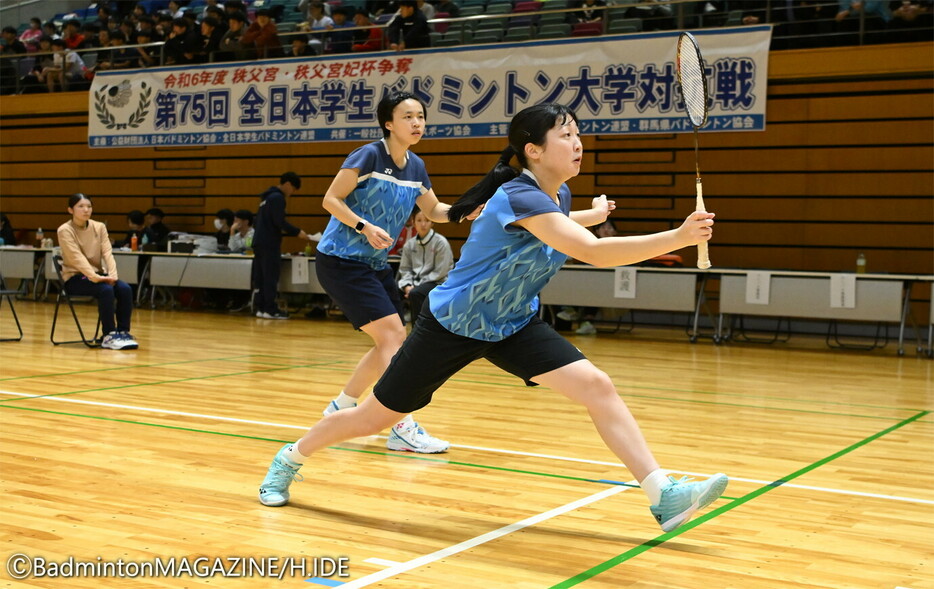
column 155, row 32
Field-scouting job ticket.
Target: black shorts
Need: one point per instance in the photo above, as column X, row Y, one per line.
column 432, row 354
column 363, row 294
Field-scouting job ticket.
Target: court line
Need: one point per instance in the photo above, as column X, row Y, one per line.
column 460, row 446
column 629, row 554
column 478, row 540
column 177, row 380
column 131, row 366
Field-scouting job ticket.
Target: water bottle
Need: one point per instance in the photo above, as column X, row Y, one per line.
column 134, row 243
column 860, row 263
column 39, row 236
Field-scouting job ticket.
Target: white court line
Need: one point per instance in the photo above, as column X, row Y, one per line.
column 481, row 539
column 478, row 448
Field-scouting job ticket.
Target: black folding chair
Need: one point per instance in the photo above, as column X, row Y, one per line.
column 71, row 299
column 8, row 294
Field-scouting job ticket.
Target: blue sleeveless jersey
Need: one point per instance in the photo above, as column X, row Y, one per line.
column 384, row 196
column 492, row 292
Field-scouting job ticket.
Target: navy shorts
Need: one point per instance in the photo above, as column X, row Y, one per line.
column 363, row 294
column 432, row 354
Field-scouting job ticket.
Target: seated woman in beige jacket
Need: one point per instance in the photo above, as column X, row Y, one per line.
column 89, row 269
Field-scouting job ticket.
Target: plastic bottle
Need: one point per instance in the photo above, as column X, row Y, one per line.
column 860, row 263
column 134, row 243
column 39, row 236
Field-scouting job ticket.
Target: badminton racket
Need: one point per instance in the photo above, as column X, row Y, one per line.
column 693, row 83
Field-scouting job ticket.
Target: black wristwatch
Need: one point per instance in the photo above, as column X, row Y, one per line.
column 359, row 227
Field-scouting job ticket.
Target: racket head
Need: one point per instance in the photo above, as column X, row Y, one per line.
column 692, row 79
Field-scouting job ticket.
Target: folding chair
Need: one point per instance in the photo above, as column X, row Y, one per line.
column 71, row 299
column 8, row 294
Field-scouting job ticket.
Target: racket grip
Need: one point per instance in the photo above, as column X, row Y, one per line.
column 703, row 258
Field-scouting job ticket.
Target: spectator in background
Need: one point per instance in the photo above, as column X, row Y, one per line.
column 232, row 7
column 144, row 55
column 163, row 26
column 878, row 8
column 30, row 37
column 426, row 261
column 9, row 68
column 425, row 8
column 241, row 232
column 147, row 24
column 263, row 36
column 176, row 8
column 67, row 67
column 409, row 29
column 211, row 35
column 7, row 233
column 590, row 10
column 271, row 225
column 103, row 54
column 223, row 221
column 300, row 47
column 231, row 49
column 156, row 232
column 318, row 21
column 71, row 33
column 136, row 222
column 51, row 30
column 210, row 5
column 368, row 39
column 120, row 57
column 448, row 6
column 183, row 43
column 340, row 41
column 35, row 81
column 89, row 269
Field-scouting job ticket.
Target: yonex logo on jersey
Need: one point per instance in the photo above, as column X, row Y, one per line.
column 388, row 171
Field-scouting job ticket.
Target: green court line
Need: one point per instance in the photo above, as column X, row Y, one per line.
column 398, row 455
column 159, row 382
column 225, row 359
column 637, row 550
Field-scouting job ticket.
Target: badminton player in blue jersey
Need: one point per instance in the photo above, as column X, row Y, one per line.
column 488, row 308
column 370, row 200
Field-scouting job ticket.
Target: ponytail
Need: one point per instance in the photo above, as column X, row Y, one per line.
column 481, row 192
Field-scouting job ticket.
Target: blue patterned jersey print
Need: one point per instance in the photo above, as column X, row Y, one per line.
column 492, row 292
column 384, row 196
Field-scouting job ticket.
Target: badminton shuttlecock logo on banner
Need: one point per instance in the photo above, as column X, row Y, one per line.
column 116, row 108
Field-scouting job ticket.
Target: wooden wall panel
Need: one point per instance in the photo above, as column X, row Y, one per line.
column 844, row 166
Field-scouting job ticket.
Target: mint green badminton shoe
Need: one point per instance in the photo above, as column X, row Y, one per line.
column 682, row 499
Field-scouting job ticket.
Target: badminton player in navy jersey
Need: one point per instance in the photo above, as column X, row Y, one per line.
column 370, row 200
column 488, row 308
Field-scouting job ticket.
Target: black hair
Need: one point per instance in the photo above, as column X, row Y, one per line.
column 211, row 21
column 76, row 198
column 530, row 125
column 227, row 215
column 11, row 30
column 136, row 217
column 155, row 212
column 237, row 16
column 389, row 103
column 180, row 22
column 264, row 12
column 292, row 178
column 245, row 215
column 36, row 19
column 58, row 42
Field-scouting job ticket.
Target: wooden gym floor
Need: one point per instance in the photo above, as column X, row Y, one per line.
column 110, row 456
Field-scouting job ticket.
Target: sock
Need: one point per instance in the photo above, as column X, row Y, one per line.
column 653, row 484
column 406, row 421
column 344, row 401
column 292, row 454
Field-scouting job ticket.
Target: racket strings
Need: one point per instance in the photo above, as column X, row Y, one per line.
column 693, row 84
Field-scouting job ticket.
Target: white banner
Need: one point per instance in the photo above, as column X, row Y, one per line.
column 616, row 84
